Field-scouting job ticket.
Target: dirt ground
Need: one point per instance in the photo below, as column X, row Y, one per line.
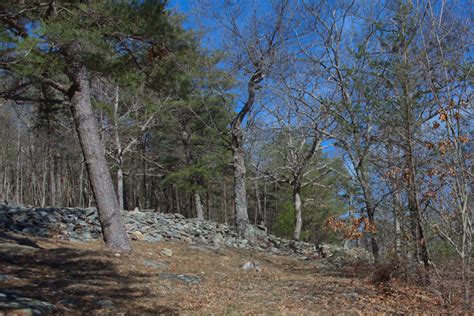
column 76, row 276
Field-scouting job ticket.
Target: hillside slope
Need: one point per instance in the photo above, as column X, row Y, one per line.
column 182, row 278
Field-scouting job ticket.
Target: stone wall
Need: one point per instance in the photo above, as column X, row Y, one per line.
column 82, row 225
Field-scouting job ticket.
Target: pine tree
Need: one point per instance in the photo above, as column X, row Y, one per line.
column 62, row 44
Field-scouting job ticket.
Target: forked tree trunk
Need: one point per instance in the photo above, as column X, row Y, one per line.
column 238, row 161
column 113, row 229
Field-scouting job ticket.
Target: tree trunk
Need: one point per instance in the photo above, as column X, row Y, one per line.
column 178, row 203
column 208, row 204
column 240, row 192
column 52, row 178
column 373, row 238
column 418, row 232
column 81, row 187
column 113, row 229
column 44, row 182
column 298, row 217
column 238, row 161
column 412, row 188
column 224, row 199
column 398, row 230
column 17, row 171
column 120, row 187
column 258, row 209
column 264, row 219
column 145, row 179
column 3, row 195
column 118, row 150
column 198, row 205
column 369, row 205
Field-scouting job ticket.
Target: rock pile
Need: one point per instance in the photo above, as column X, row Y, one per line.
column 77, row 224
column 64, row 223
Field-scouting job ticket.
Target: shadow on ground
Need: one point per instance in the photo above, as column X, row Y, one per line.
column 75, row 280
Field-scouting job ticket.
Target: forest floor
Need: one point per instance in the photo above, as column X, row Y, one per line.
column 83, row 278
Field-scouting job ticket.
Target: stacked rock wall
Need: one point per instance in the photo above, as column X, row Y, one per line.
column 82, row 225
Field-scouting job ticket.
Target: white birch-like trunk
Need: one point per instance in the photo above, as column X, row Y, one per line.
column 198, row 205
column 298, row 217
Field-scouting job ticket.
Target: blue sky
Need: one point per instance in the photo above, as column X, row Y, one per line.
column 181, row 5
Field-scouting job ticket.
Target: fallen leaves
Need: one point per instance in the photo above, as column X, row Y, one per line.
column 286, row 285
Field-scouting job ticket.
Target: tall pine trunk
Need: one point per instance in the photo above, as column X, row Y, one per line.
column 113, row 229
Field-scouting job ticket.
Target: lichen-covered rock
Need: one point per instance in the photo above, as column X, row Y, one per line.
column 166, row 252
column 251, row 266
column 137, row 235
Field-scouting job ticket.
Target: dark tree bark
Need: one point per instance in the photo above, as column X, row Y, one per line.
column 113, row 229
column 413, row 203
column 421, row 249
column 178, row 203
column 369, row 204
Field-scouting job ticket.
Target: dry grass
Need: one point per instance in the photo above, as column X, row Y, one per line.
column 84, row 273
